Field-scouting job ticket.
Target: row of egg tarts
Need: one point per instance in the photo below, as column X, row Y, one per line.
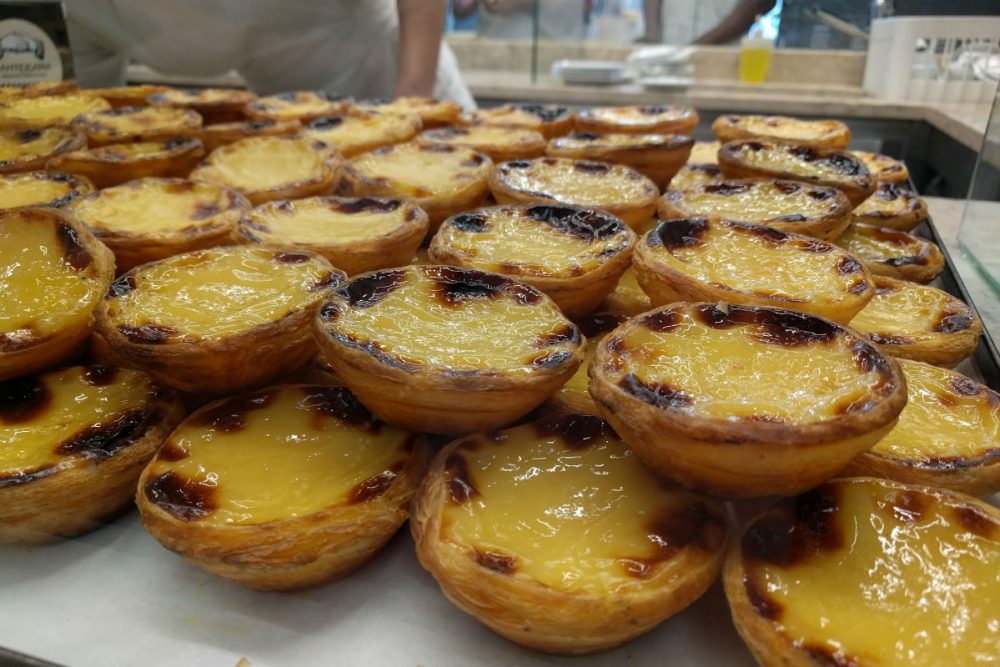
column 659, row 548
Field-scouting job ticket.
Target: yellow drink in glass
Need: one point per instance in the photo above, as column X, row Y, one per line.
column 755, row 59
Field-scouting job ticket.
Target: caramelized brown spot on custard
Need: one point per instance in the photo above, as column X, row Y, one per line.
column 658, row 395
column 787, row 187
column 963, row 386
column 763, row 604
column 495, row 560
column 454, row 286
column 470, row 222
column 726, row 188
column 663, row 321
column 230, row 415
column 122, row 285
column 27, row 136
column 848, row 265
column 950, row 323
column 171, row 452
column 339, row 403
column 184, row 499
column 692, row 525
column 547, row 112
column 976, row 521
column 149, row 334
column 327, row 280
column 889, row 339
column 286, row 257
column 458, row 480
column 474, row 161
column 795, row 529
column 869, row 360
column 774, row 327
column 23, row 399
column 204, row 210
column 370, row 289
column 591, row 167
column 574, row 431
column 909, row 506
column 770, row 234
column 918, row 260
column 600, row 323
column 567, row 333
column 517, row 164
column 102, row 441
column 586, row 224
column 685, row 233
column 74, row 253
column 373, row 487
column 359, row 204
column 551, row 359
column 99, row 376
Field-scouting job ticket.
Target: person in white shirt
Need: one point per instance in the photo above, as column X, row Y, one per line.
column 700, row 21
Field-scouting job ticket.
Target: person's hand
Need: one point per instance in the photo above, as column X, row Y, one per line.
column 506, row 6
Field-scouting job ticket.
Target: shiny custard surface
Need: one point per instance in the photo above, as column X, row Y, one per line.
column 693, row 175
column 264, row 163
column 705, row 152
column 780, row 158
column 134, row 151
column 888, row 200
column 703, row 361
column 536, row 240
column 908, row 309
column 877, row 573
column 639, row 116
column 126, row 121
column 585, row 140
column 948, row 419
column 564, row 503
column 783, row 127
column 362, row 131
column 47, row 277
column 577, row 181
column 279, row 453
column 154, row 206
column 321, row 220
column 755, row 201
column 219, row 292
column 450, row 319
column 889, row 246
column 515, row 116
column 883, row 167
column 758, row 260
column 50, row 109
column 82, row 411
column 288, row 106
column 16, row 145
column 196, row 96
column 37, row 189
column 481, row 137
column 424, row 171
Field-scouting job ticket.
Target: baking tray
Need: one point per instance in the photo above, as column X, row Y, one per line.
column 115, row 597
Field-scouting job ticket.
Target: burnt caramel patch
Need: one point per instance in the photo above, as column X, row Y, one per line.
column 773, row 327
column 889, row 339
column 787, row 187
column 17, row 477
column 763, row 604
column 369, row 204
column 99, row 376
column 692, row 525
column 567, row 333
column 27, row 136
column 963, row 386
column 287, row 257
column 102, row 441
column 475, row 223
column 664, row 321
column 598, row 324
column 453, row 286
column 726, row 188
column 184, row 499
column 458, row 480
column 953, row 322
column 976, row 521
column 918, row 260
column 149, row 334
column 327, row 280
column 585, row 224
column 122, row 285
column 685, row 233
column 230, row 415
column 546, row 112
column 516, row 164
column 586, row 136
column 373, row 487
column 820, row 194
column 23, row 399
column 658, row 395
column 326, row 123
column 204, row 210
column 74, row 252
column 171, row 452
column 551, row 359
column 494, row 560
column 796, row 529
column 891, row 192
column 870, row 360
column 591, row 167
column 909, row 506
column 474, row 161
column 847, row 265
column 574, row 431
column 339, row 403
column 769, row 234
column 370, row 289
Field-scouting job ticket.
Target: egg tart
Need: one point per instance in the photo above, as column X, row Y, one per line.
column 27, row 150
column 646, row 119
column 573, row 398
column 550, row 120
column 627, row 298
column 692, row 175
column 884, row 168
column 575, row 255
column 818, row 133
column 892, row 253
column 152, row 218
column 45, row 110
column 40, row 88
column 657, row 156
column 443, row 349
column 442, row 180
column 272, row 167
column 355, row 234
column 74, row 442
column 819, row 166
column 215, row 105
column 744, row 401
column 126, row 124
column 555, row 536
column 127, row 96
column 497, row 142
column 614, row 188
column 117, row 163
column 948, row 435
column 705, row 152
column 696, row 259
column 221, row 320
column 432, row 112
column 789, row 206
column 221, row 134
column 362, row 131
column 41, row 188
column 919, row 322
column 281, row 489
column 893, row 206
column 868, row 572
column 303, row 105
column 53, row 272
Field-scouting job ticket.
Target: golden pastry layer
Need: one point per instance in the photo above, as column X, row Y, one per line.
column 657, row 119
column 442, row 180
column 152, row 218
column 619, row 190
column 948, row 435
column 549, row 119
column 126, row 124
column 573, row 398
column 696, row 259
column 281, row 489
column 498, row 142
column 303, row 105
column 221, row 134
column 355, row 234
column 445, row 349
column 361, row 131
column 557, row 538
column 59, row 87
column 127, row 96
column 820, row 166
column 658, row 156
column 42, row 188
column 25, row 150
column 692, row 175
column 819, row 133
column 892, row 253
column 891, row 205
column 744, row 401
column 884, row 168
column 72, row 444
column 46, row 110
column 868, row 572
column 219, row 320
column 215, row 105
column 432, row 112
column 919, row 322
column 53, row 273
column 575, row 255
column 117, row 163
column 789, row 206
column 271, row 167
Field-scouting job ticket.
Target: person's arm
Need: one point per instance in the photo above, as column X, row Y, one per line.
column 421, row 24
column 737, row 22
column 651, row 15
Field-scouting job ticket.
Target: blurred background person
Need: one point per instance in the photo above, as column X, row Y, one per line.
column 514, row 19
